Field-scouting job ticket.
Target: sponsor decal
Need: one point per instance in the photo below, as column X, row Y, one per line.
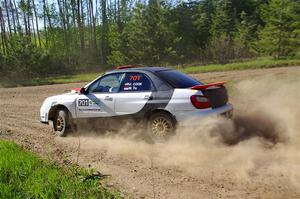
column 91, row 109
column 87, row 105
column 137, row 83
column 86, row 102
column 128, row 88
column 133, row 86
column 134, row 77
column 83, row 102
column 92, row 102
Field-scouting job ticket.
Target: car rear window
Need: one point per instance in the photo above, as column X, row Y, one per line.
column 178, row 79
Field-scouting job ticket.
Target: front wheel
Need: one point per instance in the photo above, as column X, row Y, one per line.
column 161, row 126
column 61, row 123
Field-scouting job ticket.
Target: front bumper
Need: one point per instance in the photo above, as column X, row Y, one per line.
column 44, row 118
column 226, row 110
column 44, row 110
column 44, row 122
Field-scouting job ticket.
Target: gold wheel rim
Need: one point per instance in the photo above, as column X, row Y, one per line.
column 60, row 123
column 161, row 127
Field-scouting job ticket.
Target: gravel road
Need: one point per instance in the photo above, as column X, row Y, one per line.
column 263, row 162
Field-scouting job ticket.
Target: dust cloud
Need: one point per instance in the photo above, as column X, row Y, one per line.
column 263, row 138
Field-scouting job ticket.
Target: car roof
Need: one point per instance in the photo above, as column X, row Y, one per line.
column 140, row 69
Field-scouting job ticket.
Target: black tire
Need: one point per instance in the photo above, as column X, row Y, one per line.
column 161, row 126
column 61, row 123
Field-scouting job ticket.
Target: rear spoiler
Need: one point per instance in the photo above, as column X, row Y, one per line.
column 207, row 86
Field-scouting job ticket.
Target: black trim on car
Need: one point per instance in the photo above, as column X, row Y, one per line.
column 44, row 122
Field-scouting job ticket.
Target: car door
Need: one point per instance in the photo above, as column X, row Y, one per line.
column 100, row 98
column 135, row 91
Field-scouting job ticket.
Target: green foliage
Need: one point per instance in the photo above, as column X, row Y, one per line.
column 281, row 35
column 61, row 79
column 253, row 64
column 202, row 20
column 224, row 19
column 24, row 60
column 116, row 58
column 149, row 38
column 24, row 175
column 86, row 77
column 82, row 35
column 234, row 27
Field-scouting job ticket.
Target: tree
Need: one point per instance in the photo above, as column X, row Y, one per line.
column 104, row 32
column 281, row 35
column 116, row 57
column 150, row 38
column 223, row 29
column 181, row 21
column 78, row 34
column 8, row 16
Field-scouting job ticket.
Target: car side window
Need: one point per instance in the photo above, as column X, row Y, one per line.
column 135, row 82
column 107, row 84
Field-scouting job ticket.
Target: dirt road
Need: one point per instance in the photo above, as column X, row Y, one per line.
column 196, row 163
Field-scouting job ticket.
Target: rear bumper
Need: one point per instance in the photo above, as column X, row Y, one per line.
column 226, row 110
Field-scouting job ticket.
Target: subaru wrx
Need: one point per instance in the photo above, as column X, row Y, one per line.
column 160, row 98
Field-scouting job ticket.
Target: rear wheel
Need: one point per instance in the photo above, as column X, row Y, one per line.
column 161, row 126
column 61, row 123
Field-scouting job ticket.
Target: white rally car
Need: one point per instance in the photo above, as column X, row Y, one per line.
column 159, row 97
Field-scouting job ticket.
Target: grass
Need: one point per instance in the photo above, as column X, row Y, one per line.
column 253, row 64
column 25, row 175
column 73, row 78
column 86, row 77
column 64, row 79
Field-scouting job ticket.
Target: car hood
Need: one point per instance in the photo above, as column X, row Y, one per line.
column 61, row 97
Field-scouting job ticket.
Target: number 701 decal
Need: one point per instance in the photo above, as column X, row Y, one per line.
column 134, row 77
column 83, row 102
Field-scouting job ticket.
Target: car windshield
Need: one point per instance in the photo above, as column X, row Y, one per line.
column 178, row 79
column 108, row 83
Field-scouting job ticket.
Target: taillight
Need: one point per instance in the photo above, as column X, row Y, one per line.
column 200, row 102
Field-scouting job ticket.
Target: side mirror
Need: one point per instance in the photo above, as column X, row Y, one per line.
column 83, row 91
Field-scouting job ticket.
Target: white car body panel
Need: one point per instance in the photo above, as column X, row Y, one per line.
column 181, row 101
column 130, row 103
column 94, row 105
column 67, row 100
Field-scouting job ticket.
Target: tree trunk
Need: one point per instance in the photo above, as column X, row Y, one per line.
column 13, row 16
column 81, row 34
column 89, row 31
column 28, row 18
column 18, row 20
column 49, row 28
column 73, row 5
column 7, row 15
column 63, row 23
column 32, row 21
column 3, row 32
column 25, row 20
column 45, row 23
column 93, row 26
column 104, row 32
column 36, row 23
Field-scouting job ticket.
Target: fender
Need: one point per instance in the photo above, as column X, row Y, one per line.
column 54, row 108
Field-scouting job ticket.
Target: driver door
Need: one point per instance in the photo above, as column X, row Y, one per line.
column 101, row 97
